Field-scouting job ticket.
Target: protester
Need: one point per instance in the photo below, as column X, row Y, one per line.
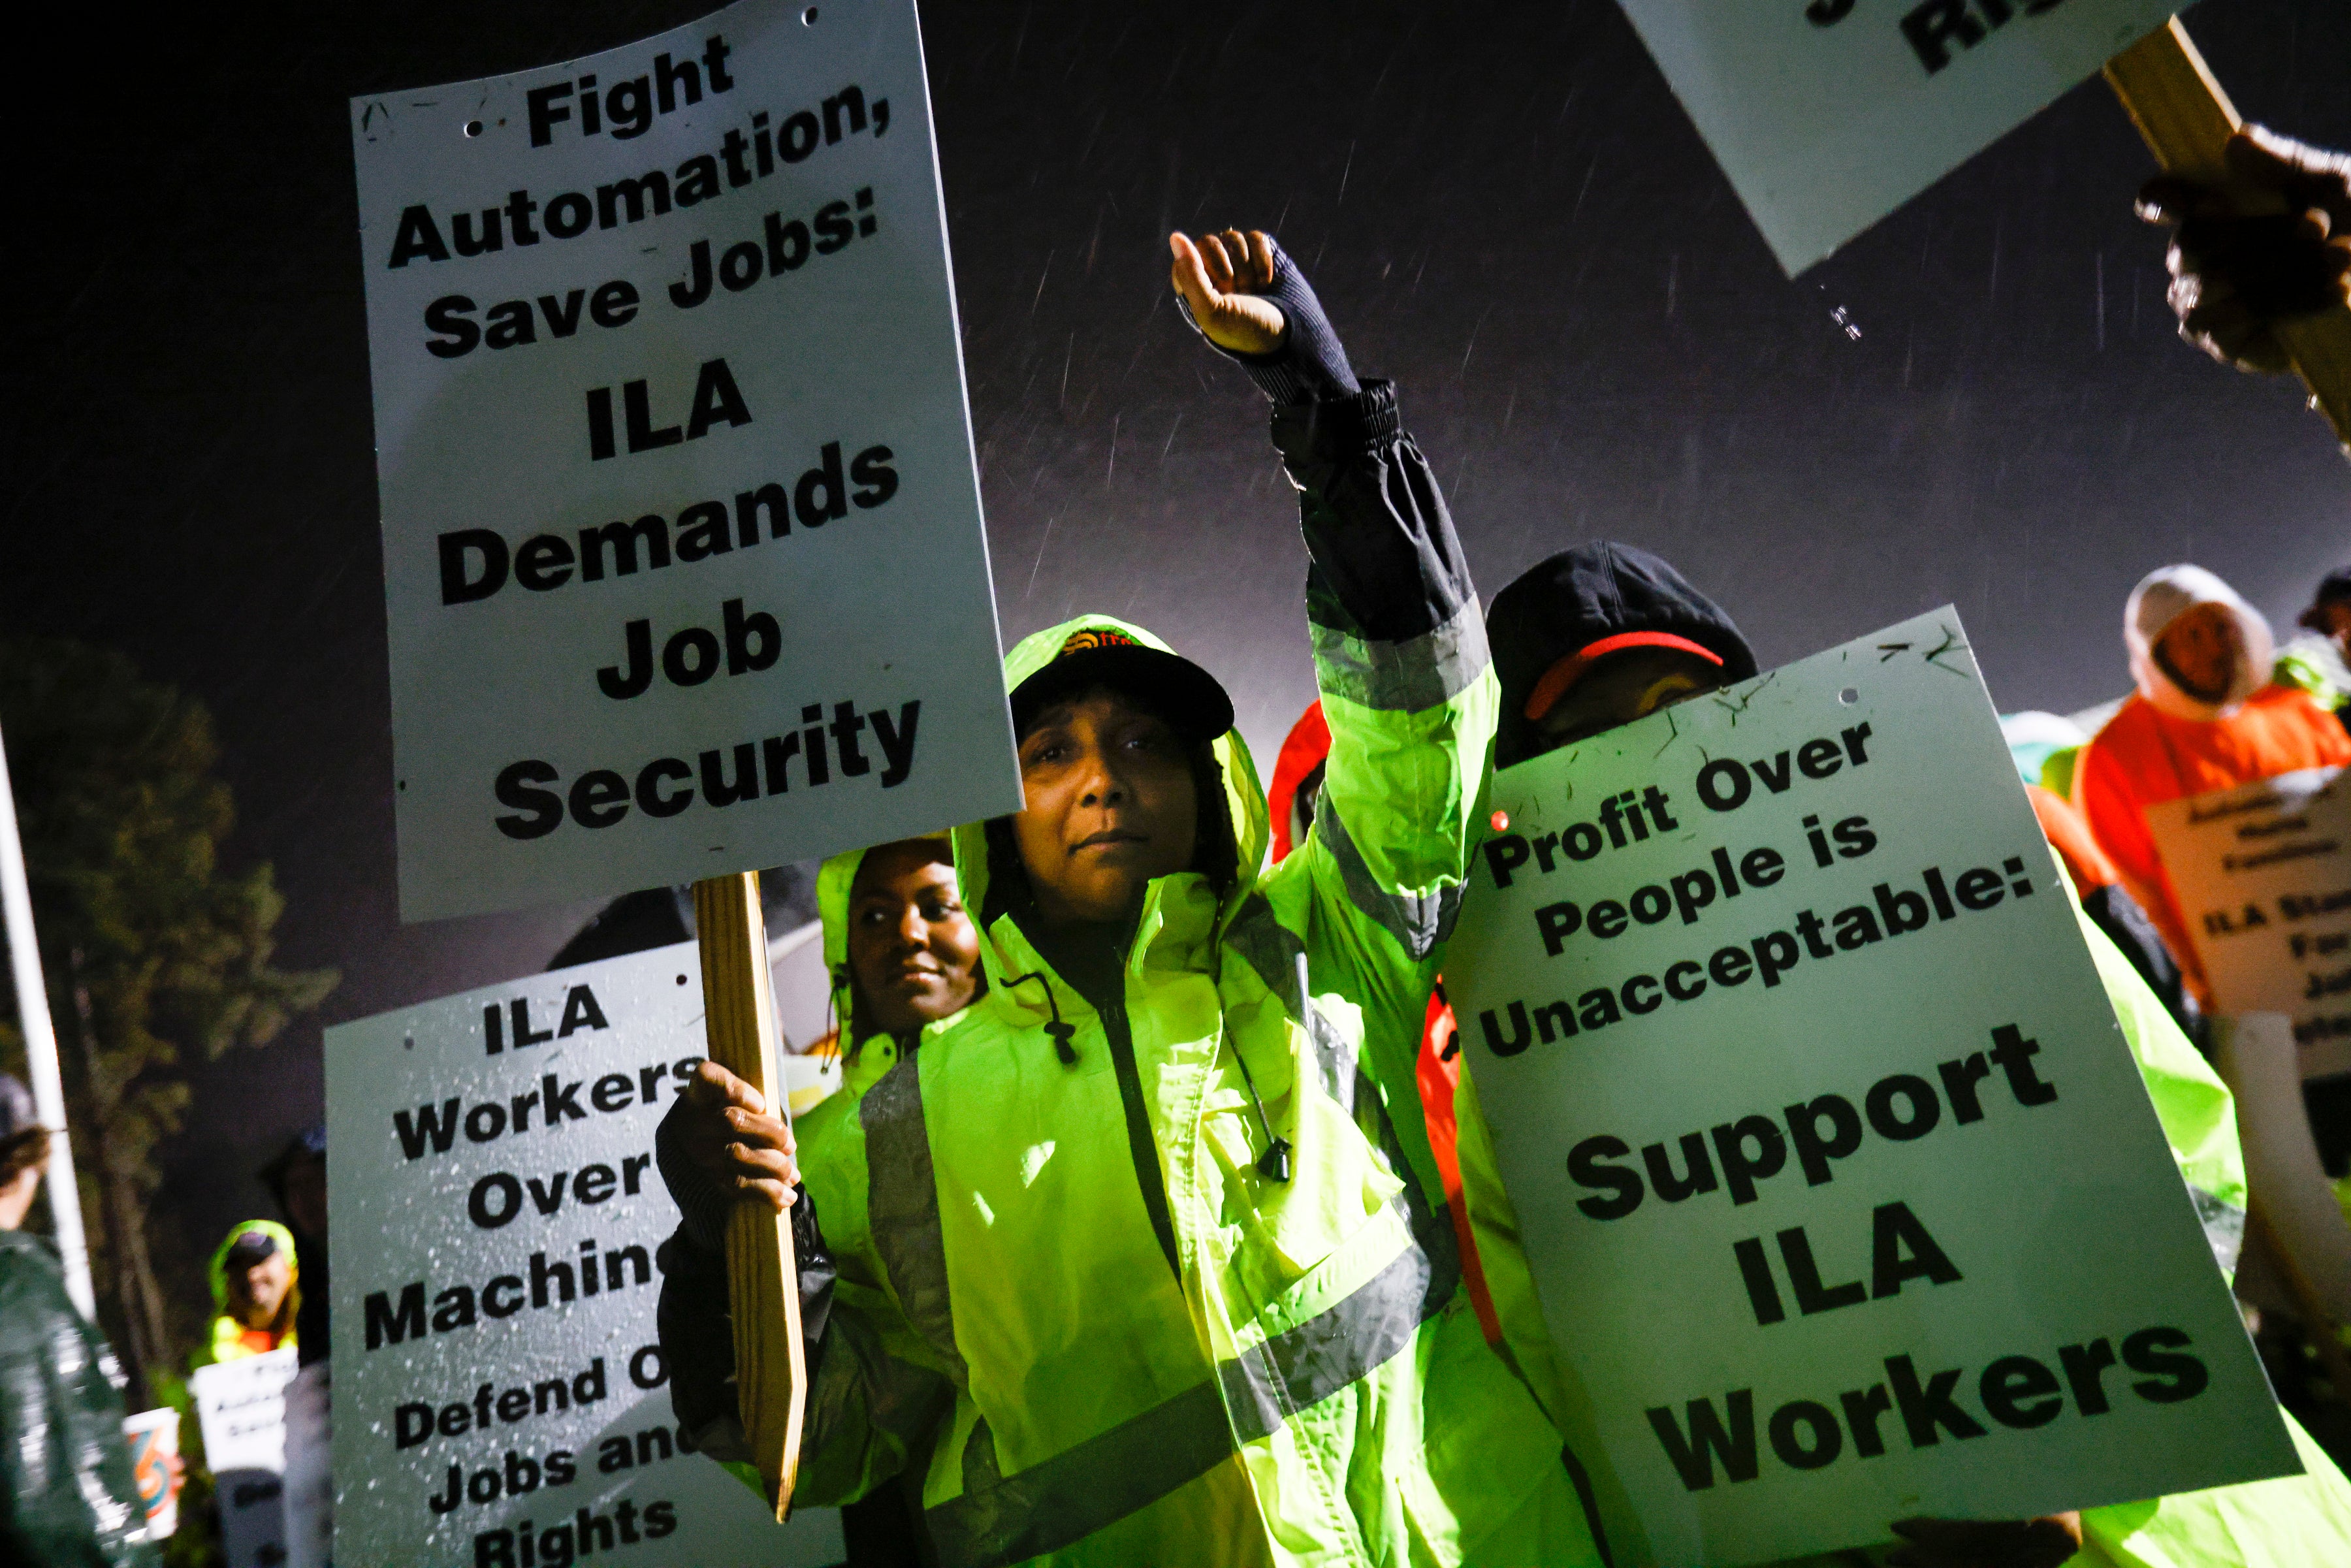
column 1605, row 634
column 2207, row 716
column 902, row 954
column 254, row 1294
column 2035, row 741
column 2325, row 653
column 297, row 1179
column 67, row 1496
column 2271, row 243
column 1136, row 1254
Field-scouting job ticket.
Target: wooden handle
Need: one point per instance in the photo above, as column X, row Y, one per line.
column 2187, row 119
column 762, row 1274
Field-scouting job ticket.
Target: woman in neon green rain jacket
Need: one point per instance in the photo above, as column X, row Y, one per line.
column 1137, row 1260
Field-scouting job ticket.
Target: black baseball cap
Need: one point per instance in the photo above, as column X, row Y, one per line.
column 1108, row 654
column 250, row 1248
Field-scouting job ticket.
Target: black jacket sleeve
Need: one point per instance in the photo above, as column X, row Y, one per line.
column 1387, row 567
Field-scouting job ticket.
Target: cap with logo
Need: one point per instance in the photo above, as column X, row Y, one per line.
column 1171, row 685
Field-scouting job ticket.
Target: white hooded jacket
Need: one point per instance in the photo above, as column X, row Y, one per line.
column 2162, row 597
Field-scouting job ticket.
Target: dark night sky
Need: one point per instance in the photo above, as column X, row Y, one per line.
column 1511, row 215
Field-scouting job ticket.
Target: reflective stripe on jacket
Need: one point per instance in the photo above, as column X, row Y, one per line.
column 1067, row 1292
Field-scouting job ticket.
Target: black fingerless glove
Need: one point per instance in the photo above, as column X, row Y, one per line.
column 703, row 1200
column 1312, row 365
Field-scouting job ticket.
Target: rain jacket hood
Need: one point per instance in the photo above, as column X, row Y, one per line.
column 219, row 1268
column 1565, row 604
column 2162, row 597
column 865, row 1053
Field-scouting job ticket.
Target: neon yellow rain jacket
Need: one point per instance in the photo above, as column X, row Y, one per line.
column 230, row 1340
column 1068, row 1293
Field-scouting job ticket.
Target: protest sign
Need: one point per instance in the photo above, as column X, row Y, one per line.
column 500, row 1395
column 1828, row 116
column 241, row 1409
column 2263, row 875
column 1843, row 1194
column 683, row 561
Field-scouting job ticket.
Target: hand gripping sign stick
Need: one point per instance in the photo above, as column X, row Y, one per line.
column 2187, row 119
column 762, row 1273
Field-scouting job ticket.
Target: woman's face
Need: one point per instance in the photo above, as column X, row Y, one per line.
column 914, row 950
column 1111, row 805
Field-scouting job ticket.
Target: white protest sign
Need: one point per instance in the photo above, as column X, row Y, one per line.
column 2263, row 874
column 241, row 1408
column 1828, row 115
column 500, row 1396
column 683, row 553
column 1844, row 1196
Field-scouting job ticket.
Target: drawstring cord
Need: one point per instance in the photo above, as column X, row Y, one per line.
column 1060, row 1031
column 1274, row 1164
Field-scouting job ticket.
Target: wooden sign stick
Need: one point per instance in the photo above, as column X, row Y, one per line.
column 2187, row 121
column 762, row 1272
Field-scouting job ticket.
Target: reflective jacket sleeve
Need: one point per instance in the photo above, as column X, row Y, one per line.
column 66, row 1493
column 879, row 1387
column 2198, row 1116
column 1400, row 657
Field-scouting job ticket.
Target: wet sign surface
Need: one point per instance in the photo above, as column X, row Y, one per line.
column 683, row 550
column 1841, row 1188
column 500, row 1395
column 1828, row 115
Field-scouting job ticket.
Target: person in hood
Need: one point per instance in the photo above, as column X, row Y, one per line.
column 902, row 954
column 255, row 1295
column 297, row 1179
column 68, row 1495
column 1143, row 1258
column 1605, row 634
column 2207, row 716
column 2321, row 659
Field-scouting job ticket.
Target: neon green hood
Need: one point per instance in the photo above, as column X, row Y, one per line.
column 1245, row 807
column 269, row 1228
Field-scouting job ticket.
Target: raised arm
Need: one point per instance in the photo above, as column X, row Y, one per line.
column 1399, row 638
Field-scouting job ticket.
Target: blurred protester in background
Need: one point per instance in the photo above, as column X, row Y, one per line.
column 297, row 1179
column 254, row 1296
column 67, row 1494
column 2208, row 716
column 902, row 954
column 2045, row 748
column 2327, row 648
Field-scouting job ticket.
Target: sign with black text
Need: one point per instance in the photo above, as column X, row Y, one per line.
column 501, row 1400
column 1828, row 115
column 2263, row 874
column 683, row 551
column 1842, row 1191
column 241, row 1410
